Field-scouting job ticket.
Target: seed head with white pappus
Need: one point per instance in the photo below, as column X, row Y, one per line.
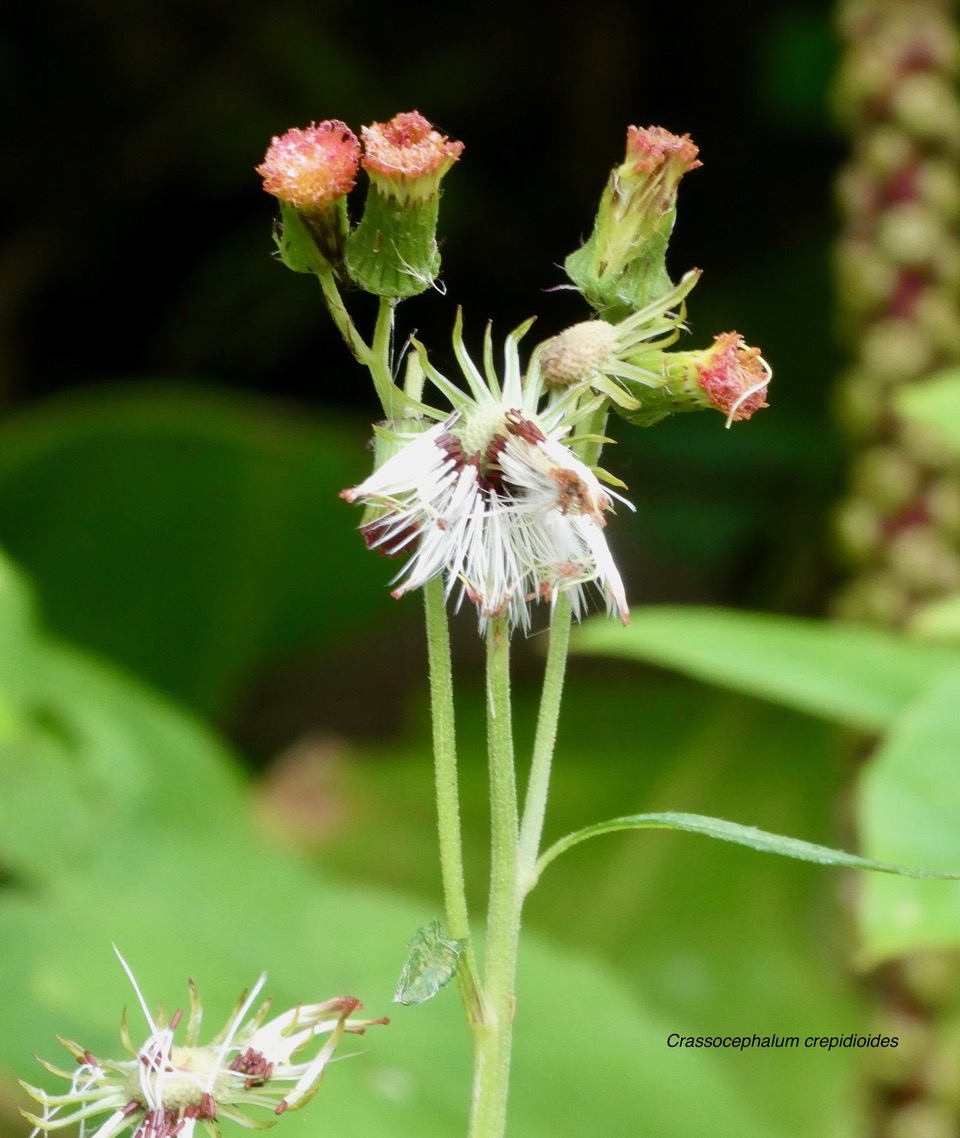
column 491, row 499
column 165, row 1089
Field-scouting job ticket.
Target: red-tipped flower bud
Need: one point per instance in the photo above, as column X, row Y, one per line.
column 310, row 172
column 734, row 376
column 313, row 168
column 622, row 267
column 406, row 157
column 660, row 159
column 393, row 251
column 729, row 376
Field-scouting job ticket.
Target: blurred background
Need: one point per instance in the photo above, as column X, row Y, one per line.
column 179, row 415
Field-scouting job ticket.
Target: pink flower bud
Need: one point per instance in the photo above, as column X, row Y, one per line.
column 406, row 157
column 734, row 376
column 649, row 148
column 312, row 169
column 622, row 266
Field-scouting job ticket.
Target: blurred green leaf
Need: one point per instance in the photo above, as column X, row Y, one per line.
column 190, row 535
column 938, row 621
column 858, row 676
column 124, row 821
column 934, row 403
column 909, row 802
column 741, row 835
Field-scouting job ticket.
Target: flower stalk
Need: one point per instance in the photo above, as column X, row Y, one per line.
column 544, row 743
column 493, row 1039
column 448, row 794
column 488, row 488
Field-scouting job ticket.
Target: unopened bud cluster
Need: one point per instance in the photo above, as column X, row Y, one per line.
column 898, row 268
column 498, row 491
column 393, row 251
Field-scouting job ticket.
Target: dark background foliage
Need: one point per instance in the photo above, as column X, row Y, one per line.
column 138, row 243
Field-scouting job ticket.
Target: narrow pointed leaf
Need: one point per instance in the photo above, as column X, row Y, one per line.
column 737, row 833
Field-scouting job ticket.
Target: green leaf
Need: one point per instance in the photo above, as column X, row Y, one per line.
column 858, row 676
column 938, row 621
column 675, row 920
column 122, row 820
column 431, row 965
column 734, row 832
column 935, row 404
column 190, row 535
column 909, row 806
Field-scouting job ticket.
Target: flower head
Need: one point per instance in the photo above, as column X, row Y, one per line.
column 627, row 363
column 312, row 168
column 393, row 251
column 165, row 1088
column 656, row 160
column 406, row 157
column 311, row 172
column 622, row 267
column 493, row 501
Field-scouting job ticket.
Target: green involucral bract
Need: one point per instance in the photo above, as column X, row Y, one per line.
column 393, row 251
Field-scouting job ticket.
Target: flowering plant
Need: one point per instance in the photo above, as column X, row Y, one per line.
column 489, row 483
column 486, row 491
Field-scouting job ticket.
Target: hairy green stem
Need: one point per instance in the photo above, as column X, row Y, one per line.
column 381, row 363
column 345, row 325
column 375, row 357
column 538, row 785
column 515, row 847
column 448, row 794
column 492, row 1039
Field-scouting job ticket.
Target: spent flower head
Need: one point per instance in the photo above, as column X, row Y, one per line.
column 492, row 500
column 165, row 1088
column 729, row 376
column 733, row 376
